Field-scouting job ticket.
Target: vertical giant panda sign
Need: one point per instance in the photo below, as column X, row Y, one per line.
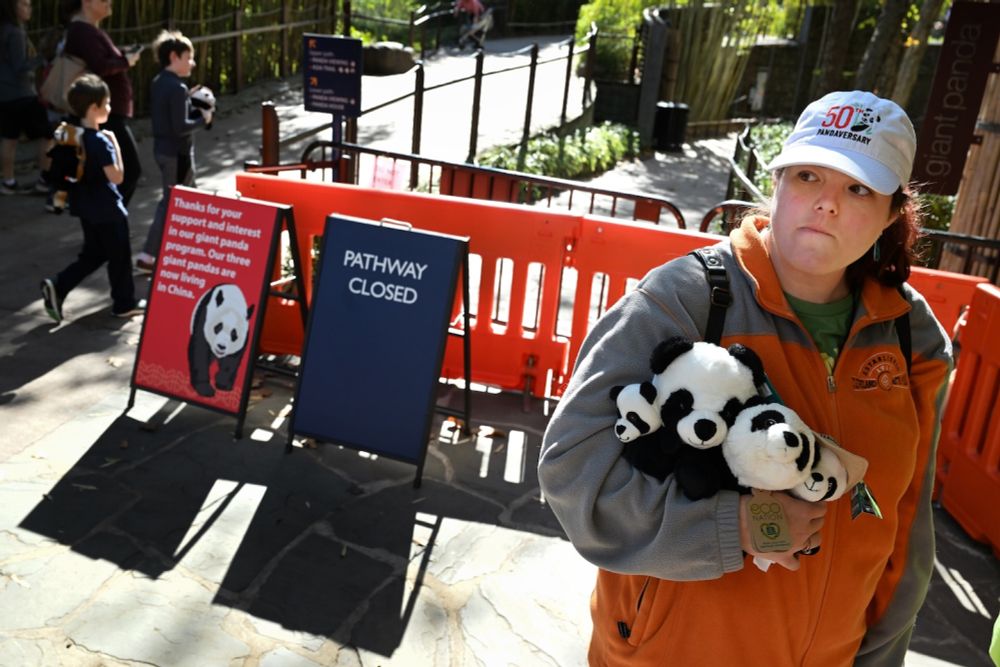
column 377, row 329
column 207, row 299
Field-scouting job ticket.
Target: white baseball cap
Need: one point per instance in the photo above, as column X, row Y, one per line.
column 855, row 132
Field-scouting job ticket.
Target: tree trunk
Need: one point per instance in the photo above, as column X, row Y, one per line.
column 886, row 78
column 913, row 54
column 833, row 55
column 887, row 30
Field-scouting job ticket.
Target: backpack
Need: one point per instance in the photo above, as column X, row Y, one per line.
column 720, row 298
column 64, row 71
column 68, row 160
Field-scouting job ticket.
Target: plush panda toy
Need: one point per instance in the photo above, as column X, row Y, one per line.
column 828, row 478
column 219, row 329
column 203, row 99
column 638, row 410
column 700, row 388
column 770, row 448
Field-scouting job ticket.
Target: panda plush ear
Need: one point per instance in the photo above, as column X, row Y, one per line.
column 647, row 390
column 664, row 353
column 749, row 358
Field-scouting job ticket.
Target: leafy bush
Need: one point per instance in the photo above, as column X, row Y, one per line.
column 616, row 21
column 937, row 210
column 584, row 153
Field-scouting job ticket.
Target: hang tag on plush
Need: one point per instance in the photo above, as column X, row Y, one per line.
column 863, row 502
column 769, row 393
column 768, row 524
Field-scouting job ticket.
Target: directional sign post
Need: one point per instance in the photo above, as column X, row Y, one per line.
column 331, row 68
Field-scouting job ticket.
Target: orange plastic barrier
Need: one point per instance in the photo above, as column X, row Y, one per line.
column 506, row 354
column 612, row 253
column 969, row 450
column 521, row 254
column 947, row 293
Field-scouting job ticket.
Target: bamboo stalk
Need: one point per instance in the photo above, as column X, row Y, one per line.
column 977, row 207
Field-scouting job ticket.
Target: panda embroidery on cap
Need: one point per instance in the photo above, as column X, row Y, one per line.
column 219, row 329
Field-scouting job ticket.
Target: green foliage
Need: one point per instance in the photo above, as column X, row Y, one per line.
column 767, row 140
column 616, row 21
column 584, row 153
column 533, row 11
column 937, row 210
column 376, row 31
column 397, row 9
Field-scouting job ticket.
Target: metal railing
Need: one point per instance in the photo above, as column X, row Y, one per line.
column 573, row 51
column 339, row 162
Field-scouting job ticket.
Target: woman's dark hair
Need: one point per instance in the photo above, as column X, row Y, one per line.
column 8, row 11
column 897, row 245
column 88, row 89
column 67, row 8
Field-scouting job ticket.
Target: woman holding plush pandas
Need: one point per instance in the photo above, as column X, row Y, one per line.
column 817, row 285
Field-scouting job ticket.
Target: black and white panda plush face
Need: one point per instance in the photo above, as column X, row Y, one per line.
column 202, row 97
column 770, row 448
column 826, row 481
column 638, row 410
column 227, row 319
column 703, row 387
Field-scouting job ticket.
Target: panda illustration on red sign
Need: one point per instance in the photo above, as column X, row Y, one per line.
column 219, row 332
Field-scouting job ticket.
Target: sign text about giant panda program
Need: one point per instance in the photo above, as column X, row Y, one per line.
column 203, row 244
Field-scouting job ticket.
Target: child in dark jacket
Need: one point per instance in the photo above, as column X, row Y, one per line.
column 175, row 119
column 96, row 201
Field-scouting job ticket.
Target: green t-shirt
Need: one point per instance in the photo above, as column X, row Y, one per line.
column 827, row 323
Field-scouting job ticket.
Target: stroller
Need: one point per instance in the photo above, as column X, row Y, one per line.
column 474, row 31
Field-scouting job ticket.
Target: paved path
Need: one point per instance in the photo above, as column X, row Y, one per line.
column 154, row 538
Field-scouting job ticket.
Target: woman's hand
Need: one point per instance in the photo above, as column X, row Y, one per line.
column 805, row 521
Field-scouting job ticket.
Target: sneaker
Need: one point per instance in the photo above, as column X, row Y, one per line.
column 53, row 306
column 9, row 188
column 40, row 187
column 144, row 265
column 138, row 309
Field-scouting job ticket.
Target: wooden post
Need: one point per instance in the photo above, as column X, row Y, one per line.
column 977, row 207
column 269, row 136
column 286, row 52
column 237, row 49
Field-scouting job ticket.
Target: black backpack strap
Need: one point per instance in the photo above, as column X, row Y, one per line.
column 903, row 333
column 719, row 295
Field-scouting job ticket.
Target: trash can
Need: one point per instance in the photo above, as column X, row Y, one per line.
column 670, row 125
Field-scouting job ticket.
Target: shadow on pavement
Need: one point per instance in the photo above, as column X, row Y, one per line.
column 325, row 541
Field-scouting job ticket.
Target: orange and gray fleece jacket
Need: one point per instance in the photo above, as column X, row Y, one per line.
column 674, row 586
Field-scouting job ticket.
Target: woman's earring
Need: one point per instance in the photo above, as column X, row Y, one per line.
column 876, row 251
